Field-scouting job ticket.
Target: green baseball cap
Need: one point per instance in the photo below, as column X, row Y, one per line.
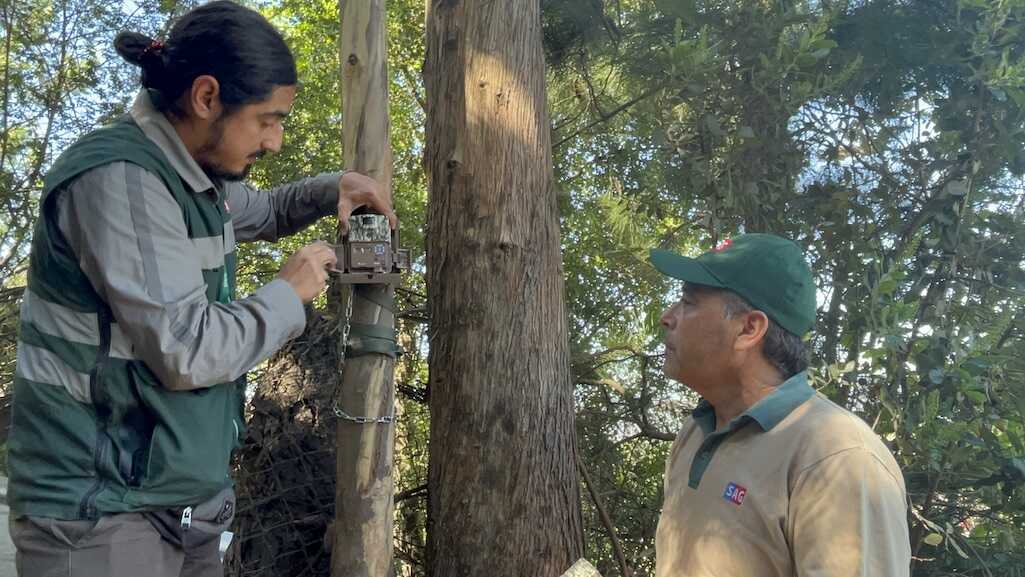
column 766, row 270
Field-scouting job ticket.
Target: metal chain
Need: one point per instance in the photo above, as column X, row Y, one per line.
column 386, row 420
column 346, row 324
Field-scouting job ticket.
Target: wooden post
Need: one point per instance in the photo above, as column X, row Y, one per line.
column 362, row 544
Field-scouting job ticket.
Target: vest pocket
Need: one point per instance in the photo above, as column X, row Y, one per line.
column 134, row 437
column 188, row 453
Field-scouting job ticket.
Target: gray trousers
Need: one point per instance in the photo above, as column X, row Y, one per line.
column 124, row 545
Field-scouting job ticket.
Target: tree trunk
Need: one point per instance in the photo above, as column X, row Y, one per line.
column 503, row 495
column 364, row 508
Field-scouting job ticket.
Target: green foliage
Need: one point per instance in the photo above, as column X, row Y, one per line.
column 312, row 141
column 59, row 77
column 886, row 138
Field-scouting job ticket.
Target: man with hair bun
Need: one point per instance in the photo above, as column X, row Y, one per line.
column 767, row 478
column 133, row 344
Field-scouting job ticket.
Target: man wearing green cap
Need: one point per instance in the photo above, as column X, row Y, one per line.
column 767, row 477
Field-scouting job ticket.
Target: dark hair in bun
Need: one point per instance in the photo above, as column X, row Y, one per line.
column 144, row 52
column 235, row 45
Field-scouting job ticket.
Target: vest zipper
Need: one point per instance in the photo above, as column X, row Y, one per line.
column 88, row 504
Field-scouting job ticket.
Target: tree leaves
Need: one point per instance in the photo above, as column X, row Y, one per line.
column 871, row 132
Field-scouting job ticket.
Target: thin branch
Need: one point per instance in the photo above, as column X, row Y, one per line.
column 603, row 514
column 570, row 120
column 411, row 80
column 590, row 87
column 606, row 117
column 918, row 534
column 610, row 26
column 9, row 33
column 646, row 427
column 410, row 292
column 651, row 432
column 985, row 566
column 1008, row 332
column 53, row 101
column 414, row 493
column 417, row 314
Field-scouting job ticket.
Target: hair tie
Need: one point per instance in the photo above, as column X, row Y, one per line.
column 154, row 46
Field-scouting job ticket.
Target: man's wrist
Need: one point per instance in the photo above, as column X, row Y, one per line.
column 342, row 175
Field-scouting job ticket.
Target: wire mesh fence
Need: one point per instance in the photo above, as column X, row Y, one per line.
column 285, row 470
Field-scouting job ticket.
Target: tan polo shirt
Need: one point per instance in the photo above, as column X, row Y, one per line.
column 795, row 486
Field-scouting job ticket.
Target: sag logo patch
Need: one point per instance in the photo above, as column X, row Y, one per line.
column 725, row 245
column 735, row 494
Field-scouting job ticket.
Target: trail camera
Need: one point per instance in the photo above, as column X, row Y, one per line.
column 369, row 254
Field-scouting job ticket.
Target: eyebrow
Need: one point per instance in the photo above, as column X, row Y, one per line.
column 282, row 114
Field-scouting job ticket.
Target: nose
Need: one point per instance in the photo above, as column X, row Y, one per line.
column 272, row 141
column 667, row 317
column 271, row 144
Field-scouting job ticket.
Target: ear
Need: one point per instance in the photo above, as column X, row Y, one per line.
column 751, row 328
column 205, row 98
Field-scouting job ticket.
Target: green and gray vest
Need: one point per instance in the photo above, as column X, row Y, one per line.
column 106, row 436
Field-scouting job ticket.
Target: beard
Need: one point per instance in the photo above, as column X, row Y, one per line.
column 212, row 169
column 217, row 172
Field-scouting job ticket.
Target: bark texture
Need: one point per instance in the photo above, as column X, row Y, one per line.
column 503, row 497
column 364, row 507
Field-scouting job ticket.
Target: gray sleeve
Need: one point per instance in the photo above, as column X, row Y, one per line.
column 130, row 239
column 282, row 211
